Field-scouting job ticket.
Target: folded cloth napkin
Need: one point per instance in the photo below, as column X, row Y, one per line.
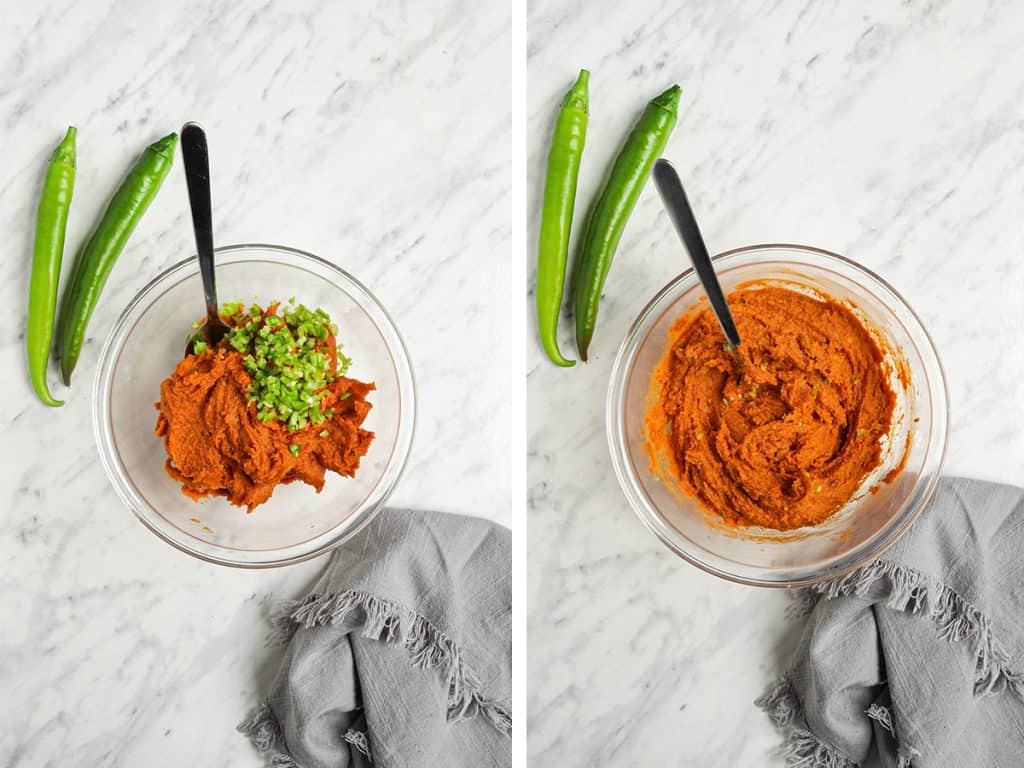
column 917, row 659
column 401, row 656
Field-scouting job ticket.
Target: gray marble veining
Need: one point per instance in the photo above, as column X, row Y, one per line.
column 377, row 136
column 887, row 132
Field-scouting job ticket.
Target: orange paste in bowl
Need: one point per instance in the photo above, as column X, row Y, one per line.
column 782, row 431
column 217, row 445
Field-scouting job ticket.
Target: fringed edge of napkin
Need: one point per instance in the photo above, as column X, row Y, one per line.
column 882, row 714
column 387, row 621
column 264, row 730
column 802, row 749
column 359, row 740
column 390, row 622
column 955, row 620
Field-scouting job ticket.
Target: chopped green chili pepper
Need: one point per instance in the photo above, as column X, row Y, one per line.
column 291, row 358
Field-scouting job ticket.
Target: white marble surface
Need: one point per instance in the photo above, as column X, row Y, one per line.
column 380, row 137
column 888, row 132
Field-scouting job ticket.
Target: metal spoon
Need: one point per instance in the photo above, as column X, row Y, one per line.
column 197, row 176
column 674, row 198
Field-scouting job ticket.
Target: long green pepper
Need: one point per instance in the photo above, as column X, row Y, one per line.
column 115, row 226
column 608, row 217
column 47, row 255
column 564, row 157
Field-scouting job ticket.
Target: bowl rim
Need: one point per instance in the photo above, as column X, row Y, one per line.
column 615, row 429
column 369, row 507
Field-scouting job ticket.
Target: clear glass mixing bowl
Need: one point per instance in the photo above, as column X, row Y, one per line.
column 863, row 528
column 148, row 341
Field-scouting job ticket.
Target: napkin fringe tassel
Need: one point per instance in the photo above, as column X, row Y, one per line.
column 387, row 621
column 805, row 750
column 358, row 739
column 882, row 715
column 802, row 749
column 956, row 619
column 264, row 731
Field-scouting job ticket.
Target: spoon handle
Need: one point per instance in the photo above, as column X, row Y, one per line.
column 672, row 195
column 197, row 176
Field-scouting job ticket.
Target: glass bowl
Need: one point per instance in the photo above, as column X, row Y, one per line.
column 870, row 522
column 145, row 346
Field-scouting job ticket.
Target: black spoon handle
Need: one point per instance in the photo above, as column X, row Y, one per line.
column 672, row 195
column 197, row 176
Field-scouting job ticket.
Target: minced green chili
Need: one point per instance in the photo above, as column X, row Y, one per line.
column 291, row 356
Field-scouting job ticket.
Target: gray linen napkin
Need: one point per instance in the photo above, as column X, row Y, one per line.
column 917, row 659
column 401, row 655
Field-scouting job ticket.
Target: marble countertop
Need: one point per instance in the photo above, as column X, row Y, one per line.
column 379, row 139
column 887, row 132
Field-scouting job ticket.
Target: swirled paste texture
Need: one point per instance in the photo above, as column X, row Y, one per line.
column 218, row 446
column 783, row 430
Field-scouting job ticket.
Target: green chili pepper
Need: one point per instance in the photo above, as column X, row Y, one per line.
column 556, row 215
column 93, row 265
column 614, row 205
column 47, row 254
